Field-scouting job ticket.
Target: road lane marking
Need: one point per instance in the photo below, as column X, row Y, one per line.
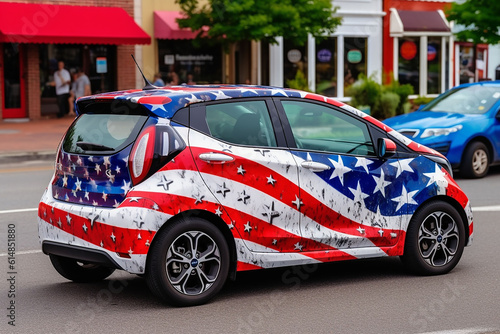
column 18, row 210
column 466, row 331
column 25, row 169
column 34, row 251
column 486, row 208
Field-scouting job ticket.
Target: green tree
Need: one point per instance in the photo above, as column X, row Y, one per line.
column 480, row 22
column 230, row 21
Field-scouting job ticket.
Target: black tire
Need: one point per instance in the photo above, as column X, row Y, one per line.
column 475, row 161
column 175, row 275
column 435, row 239
column 79, row 272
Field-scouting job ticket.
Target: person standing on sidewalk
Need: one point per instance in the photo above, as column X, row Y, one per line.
column 62, row 82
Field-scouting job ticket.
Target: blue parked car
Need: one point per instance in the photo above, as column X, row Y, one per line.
column 463, row 124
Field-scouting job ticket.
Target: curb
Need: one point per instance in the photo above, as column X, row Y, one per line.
column 9, row 158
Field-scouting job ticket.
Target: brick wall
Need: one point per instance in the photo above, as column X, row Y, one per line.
column 126, row 69
column 32, row 77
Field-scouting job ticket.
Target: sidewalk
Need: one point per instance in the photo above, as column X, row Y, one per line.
column 31, row 140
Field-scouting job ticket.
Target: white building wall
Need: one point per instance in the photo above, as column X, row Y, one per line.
column 494, row 61
column 360, row 18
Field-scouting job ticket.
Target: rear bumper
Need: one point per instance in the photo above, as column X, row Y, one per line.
column 119, row 237
column 79, row 253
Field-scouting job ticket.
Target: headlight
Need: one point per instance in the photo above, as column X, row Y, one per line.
column 440, row 131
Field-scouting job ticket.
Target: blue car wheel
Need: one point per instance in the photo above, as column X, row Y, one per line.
column 475, row 161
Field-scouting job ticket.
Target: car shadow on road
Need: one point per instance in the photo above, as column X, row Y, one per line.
column 123, row 291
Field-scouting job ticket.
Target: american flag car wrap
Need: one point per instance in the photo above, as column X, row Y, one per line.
column 278, row 213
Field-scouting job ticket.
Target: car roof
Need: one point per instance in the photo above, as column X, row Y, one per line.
column 165, row 101
column 480, row 83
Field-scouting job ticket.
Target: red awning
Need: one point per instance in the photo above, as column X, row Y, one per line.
column 415, row 22
column 54, row 24
column 166, row 26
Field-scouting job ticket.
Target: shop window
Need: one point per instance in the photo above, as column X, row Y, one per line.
column 434, row 72
column 295, row 60
column 11, row 76
column 355, row 50
column 326, row 66
column 180, row 61
column 264, row 63
column 466, row 64
column 408, row 65
column 97, row 61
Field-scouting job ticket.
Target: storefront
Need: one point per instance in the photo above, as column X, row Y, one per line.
column 465, row 72
column 178, row 56
column 34, row 37
column 419, row 45
column 333, row 63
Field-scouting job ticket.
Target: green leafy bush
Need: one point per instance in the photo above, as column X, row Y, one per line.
column 403, row 91
column 388, row 105
column 299, row 82
column 384, row 101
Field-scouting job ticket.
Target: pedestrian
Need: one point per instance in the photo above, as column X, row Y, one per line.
column 82, row 84
column 172, row 78
column 71, row 100
column 158, row 81
column 62, row 81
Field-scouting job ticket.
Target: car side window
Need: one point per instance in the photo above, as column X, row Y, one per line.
column 319, row 128
column 242, row 123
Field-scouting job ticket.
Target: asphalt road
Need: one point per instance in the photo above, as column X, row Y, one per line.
column 364, row 296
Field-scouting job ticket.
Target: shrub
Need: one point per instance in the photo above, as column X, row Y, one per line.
column 384, row 101
column 365, row 92
column 403, row 91
column 388, row 105
column 299, row 82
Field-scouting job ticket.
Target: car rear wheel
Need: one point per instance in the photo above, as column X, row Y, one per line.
column 79, row 272
column 188, row 263
column 476, row 161
column 435, row 239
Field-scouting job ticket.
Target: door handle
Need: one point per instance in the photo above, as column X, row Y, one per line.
column 215, row 157
column 314, row 166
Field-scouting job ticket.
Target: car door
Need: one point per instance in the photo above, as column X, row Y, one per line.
column 240, row 151
column 348, row 196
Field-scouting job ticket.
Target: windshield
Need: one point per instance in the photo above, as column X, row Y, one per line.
column 476, row 99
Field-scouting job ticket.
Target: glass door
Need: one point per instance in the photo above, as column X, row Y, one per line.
column 13, row 87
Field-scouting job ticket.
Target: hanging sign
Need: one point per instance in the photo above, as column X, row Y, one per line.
column 408, row 50
column 294, row 56
column 101, row 65
column 324, row 56
column 354, row 56
column 431, row 53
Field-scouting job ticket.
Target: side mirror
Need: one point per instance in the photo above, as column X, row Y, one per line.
column 386, row 148
column 420, row 107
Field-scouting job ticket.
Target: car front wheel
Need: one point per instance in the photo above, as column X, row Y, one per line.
column 188, row 263
column 435, row 239
column 476, row 161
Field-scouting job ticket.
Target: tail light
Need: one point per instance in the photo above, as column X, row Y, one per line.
column 156, row 145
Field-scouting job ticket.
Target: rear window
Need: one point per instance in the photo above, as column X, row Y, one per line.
column 102, row 133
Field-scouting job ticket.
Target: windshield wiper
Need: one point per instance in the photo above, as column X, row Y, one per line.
column 86, row 146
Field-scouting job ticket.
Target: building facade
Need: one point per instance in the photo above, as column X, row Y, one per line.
column 97, row 36
column 332, row 64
